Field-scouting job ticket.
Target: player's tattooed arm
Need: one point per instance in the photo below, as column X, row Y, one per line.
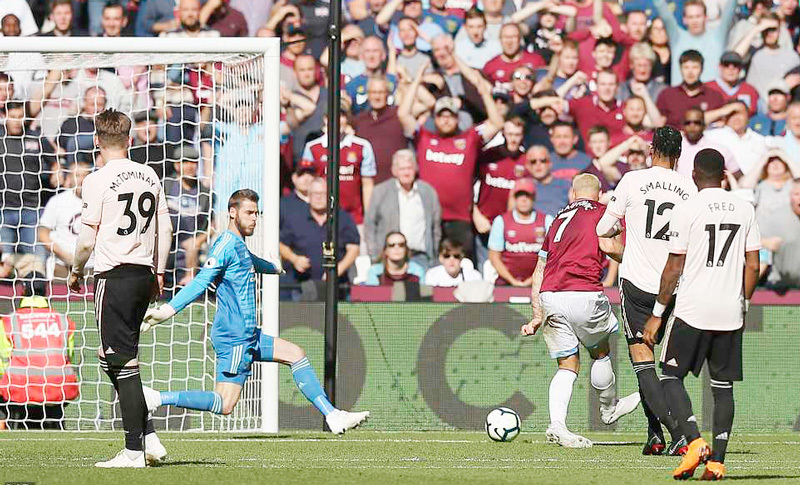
column 536, row 321
column 669, row 280
column 613, row 247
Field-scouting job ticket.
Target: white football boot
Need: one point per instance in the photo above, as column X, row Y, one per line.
column 340, row 421
column 566, row 438
column 124, row 459
column 624, row 406
column 152, row 398
column 153, row 449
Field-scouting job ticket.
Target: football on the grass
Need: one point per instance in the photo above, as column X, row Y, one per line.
column 502, row 424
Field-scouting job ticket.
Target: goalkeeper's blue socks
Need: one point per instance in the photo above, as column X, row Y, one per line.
column 307, row 382
column 199, row 400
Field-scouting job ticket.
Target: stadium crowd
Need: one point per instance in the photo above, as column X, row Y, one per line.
column 463, row 124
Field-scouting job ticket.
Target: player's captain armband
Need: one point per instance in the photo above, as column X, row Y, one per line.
column 658, row 309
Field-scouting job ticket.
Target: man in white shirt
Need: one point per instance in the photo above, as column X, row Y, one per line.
column 646, row 199
column 125, row 221
column 61, row 221
column 475, row 48
column 713, row 237
column 449, row 272
column 694, row 140
column 749, row 146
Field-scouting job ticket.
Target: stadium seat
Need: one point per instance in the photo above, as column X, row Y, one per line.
column 489, row 273
column 363, row 264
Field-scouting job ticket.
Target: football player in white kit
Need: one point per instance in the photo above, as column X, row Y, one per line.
column 645, row 199
column 713, row 248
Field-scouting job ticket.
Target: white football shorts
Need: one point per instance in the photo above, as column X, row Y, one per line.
column 576, row 317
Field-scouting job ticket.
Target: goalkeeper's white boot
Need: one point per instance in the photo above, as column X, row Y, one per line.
column 152, row 398
column 124, row 459
column 340, row 421
column 560, row 435
column 624, row 406
column 154, row 451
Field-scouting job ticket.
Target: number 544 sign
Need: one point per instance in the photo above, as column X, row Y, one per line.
column 41, row 329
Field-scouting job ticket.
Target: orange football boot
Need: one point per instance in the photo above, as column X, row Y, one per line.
column 698, row 453
column 714, row 471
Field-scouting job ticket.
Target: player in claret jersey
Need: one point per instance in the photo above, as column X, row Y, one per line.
column 568, row 298
column 713, row 247
column 646, row 199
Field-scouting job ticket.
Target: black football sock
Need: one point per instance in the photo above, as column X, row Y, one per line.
column 681, row 407
column 134, row 409
column 654, row 398
column 723, row 417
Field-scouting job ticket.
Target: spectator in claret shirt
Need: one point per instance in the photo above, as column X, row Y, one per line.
column 730, row 84
column 499, row 69
column 498, row 168
column 356, row 166
column 447, row 157
column 220, row 16
column 567, row 160
column 517, row 237
column 380, row 126
column 601, row 108
column 675, row 101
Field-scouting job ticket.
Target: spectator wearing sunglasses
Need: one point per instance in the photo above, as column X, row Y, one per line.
column 396, row 264
column 517, row 236
column 552, row 193
column 449, row 272
column 694, row 140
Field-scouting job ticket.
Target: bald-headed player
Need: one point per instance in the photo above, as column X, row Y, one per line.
column 645, row 199
column 568, row 299
column 126, row 223
column 713, row 247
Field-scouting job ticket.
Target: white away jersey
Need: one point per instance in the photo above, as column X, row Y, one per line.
column 124, row 198
column 713, row 229
column 62, row 215
column 646, row 199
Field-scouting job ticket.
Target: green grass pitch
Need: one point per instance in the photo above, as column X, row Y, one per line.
column 365, row 456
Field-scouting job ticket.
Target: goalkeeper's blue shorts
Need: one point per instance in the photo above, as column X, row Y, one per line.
column 234, row 361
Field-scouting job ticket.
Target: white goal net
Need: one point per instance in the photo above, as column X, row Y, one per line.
column 205, row 116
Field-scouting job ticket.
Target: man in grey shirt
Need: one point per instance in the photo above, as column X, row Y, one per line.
column 409, row 56
column 404, row 204
column 785, row 223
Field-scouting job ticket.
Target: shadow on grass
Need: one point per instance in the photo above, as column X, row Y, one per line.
column 761, row 477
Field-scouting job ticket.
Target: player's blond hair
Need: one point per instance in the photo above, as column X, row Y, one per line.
column 113, row 129
column 586, row 186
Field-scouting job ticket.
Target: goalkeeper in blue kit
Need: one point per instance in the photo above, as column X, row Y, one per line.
column 236, row 339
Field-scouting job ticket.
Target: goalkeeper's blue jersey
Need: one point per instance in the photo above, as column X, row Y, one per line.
column 232, row 267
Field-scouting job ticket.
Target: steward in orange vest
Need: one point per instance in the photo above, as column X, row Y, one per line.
column 39, row 376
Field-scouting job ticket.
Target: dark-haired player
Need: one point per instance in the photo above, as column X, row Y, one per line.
column 237, row 341
column 645, row 199
column 713, row 236
column 567, row 297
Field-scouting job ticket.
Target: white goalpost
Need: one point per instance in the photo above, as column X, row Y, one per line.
column 216, row 98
